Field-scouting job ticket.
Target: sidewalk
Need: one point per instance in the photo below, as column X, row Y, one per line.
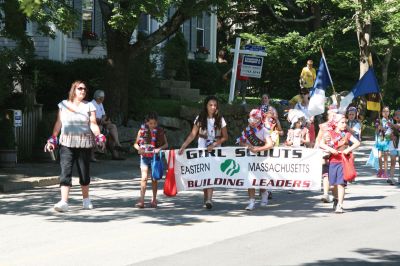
column 30, row 175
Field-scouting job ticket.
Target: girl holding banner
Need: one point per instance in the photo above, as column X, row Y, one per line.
column 210, row 128
column 256, row 138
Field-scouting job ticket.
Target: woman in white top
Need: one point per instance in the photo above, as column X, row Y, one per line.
column 76, row 121
column 210, row 128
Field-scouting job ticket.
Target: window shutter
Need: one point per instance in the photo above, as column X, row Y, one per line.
column 207, row 21
column 77, row 32
column 98, row 20
column 193, row 41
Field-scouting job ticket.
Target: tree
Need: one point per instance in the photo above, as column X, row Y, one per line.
column 121, row 18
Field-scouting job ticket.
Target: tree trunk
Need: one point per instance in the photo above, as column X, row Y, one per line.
column 316, row 11
column 118, row 52
column 363, row 24
column 385, row 65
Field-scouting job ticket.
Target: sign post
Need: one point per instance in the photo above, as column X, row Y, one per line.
column 253, row 67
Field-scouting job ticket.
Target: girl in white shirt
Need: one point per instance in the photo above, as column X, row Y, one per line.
column 210, row 128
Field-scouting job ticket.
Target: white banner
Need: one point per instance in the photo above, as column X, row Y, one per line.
column 237, row 167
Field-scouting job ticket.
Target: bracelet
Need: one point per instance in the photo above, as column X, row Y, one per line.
column 53, row 140
column 100, row 138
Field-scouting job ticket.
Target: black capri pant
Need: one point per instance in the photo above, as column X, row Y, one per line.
column 67, row 158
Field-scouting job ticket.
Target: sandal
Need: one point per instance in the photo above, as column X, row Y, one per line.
column 153, row 203
column 139, row 205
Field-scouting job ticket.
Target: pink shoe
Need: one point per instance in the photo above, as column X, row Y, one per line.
column 380, row 173
column 385, row 175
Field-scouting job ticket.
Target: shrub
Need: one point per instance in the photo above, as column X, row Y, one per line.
column 10, row 63
column 176, row 57
column 55, row 78
column 7, row 140
column 205, row 76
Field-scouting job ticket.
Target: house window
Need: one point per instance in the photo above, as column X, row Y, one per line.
column 87, row 16
column 200, row 31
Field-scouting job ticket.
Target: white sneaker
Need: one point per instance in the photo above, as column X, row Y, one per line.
column 87, row 204
column 326, row 198
column 61, row 206
column 264, row 199
column 391, row 181
column 252, row 205
column 339, row 209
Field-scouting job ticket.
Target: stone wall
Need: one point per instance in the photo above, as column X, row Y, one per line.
column 178, row 128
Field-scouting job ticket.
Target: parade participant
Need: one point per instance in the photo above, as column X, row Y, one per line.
column 150, row 140
column 353, row 125
column 256, row 138
column 297, row 135
column 323, row 133
column 303, row 106
column 210, row 128
column 383, row 133
column 270, row 119
column 76, row 120
column 394, row 147
column 308, row 75
column 338, row 143
column 104, row 121
column 265, row 106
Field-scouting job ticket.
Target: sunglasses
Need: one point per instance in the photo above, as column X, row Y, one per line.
column 252, row 120
column 81, row 88
column 304, row 93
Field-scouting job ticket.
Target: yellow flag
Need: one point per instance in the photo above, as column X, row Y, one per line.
column 374, row 102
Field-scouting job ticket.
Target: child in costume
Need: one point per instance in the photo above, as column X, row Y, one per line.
column 383, row 135
column 150, row 140
column 256, row 138
column 338, row 143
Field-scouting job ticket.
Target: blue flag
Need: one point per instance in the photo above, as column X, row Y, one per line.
column 322, row 81
column 367, row 84
column 316, row 105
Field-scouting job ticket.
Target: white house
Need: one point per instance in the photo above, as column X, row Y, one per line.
column 198, row 31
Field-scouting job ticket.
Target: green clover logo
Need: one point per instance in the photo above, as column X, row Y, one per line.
column 230, row 167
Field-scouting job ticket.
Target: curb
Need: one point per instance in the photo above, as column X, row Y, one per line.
column 18, row 184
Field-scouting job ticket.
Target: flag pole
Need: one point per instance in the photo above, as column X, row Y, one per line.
column 329, row 75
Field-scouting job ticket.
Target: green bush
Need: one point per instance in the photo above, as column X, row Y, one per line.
column 176, row 57
column 10, row 62
column 205, row 76
column 55, row 78
column 7, row 140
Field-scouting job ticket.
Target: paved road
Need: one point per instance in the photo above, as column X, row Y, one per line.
column 295, row 229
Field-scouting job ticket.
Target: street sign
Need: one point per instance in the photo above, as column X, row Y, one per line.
column 257, row 48
column 252, row 66
column 17, row 118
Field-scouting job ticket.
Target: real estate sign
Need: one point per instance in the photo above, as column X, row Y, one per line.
column 252, row 66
